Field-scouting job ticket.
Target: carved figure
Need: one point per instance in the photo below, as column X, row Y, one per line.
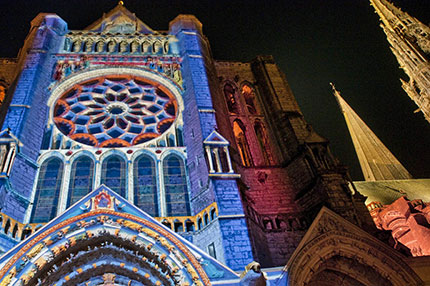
column 253, row 276
column 408, row 222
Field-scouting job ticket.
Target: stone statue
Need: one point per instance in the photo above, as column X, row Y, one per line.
column 408, row 222
column 253, row 276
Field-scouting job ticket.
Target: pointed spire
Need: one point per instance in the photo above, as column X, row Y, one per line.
column 410, row 43
column 395, row 20
column 390, row 15
column 376, row 161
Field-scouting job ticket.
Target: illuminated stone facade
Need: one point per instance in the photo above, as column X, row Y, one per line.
column 410, row 43
column 131, row 157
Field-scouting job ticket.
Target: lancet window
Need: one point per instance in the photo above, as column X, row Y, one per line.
column 114, row 111
column 81, row 179
column 175, row 184
column 145, row 185
column 263, row 141
column 242, row 143
column 230, row 98
column 47, row 190
column 249, row 97
column 114, row 174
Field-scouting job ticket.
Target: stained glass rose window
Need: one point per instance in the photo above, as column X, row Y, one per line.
column 115, row 111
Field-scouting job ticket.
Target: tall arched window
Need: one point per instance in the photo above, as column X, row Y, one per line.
column 242, row 143
column 175, row 185
column 145, row 185
column 263, row 141
column 47, row 190
column 81, row 179
column 114, row 174
column 229, row 97
column 249, row 96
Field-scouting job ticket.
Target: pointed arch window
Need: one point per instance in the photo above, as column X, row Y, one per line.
column 242, row 143
column 230, row 98
column 263, row 141
column 81, row 179
column 175, row 185
column 114, row 174
column 47, row 190
column 145, row 185
column 249, row 97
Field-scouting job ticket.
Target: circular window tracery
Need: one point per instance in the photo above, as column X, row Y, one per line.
column 115, row 111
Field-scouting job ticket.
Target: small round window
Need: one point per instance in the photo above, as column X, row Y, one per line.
column 115, row 111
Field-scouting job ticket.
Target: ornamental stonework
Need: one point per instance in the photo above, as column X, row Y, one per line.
column 115, row 111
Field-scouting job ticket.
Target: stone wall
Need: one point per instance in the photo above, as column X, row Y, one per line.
column 27, row 113
column 199, row 123
column 7, row 70
column 283, row 196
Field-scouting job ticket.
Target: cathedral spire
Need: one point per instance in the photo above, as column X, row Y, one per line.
column 410, row 43
column 376, row 161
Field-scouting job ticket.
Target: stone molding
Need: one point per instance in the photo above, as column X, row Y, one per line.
column 329, row 236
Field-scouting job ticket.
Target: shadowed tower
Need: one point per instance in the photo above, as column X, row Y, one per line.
column 376, row 161
column 410, row 43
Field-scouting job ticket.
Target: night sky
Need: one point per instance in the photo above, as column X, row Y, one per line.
column 313, row 41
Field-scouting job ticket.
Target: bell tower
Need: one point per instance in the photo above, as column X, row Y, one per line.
column 288, row 172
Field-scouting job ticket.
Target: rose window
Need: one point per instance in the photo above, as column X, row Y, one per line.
column 115, row 111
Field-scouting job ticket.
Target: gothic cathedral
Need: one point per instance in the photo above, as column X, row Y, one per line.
column 129, row 156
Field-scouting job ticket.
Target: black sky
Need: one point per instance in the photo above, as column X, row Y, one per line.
column 313, row 41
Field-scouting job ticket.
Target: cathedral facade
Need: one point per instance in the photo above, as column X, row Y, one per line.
column 130, row 156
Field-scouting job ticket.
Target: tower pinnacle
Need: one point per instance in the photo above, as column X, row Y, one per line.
column 376, row 161
column 410, row 43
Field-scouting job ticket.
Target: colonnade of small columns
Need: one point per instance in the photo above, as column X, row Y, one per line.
column 116, row 44
column 19, row 231
column 16, row 230
column 214, row 152
column 7, row 156
column 374, row 205
column 191, row 223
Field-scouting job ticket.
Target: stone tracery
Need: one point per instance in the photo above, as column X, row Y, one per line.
column 115, row 112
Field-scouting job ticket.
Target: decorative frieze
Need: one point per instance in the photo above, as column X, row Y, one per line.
column 91, row 42
column 67, row 65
